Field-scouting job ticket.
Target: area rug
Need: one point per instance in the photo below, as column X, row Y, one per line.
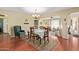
column 44, row 46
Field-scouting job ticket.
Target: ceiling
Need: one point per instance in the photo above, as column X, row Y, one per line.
column 43, row 11
column 31, row 10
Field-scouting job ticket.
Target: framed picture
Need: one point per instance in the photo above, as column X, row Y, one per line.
column 36, row 23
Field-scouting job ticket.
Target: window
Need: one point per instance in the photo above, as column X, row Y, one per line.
column 55, row 23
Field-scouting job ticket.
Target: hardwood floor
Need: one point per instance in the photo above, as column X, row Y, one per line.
column 16, row 44
column 70, row 44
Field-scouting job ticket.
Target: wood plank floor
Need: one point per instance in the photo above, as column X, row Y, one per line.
column 15, row 44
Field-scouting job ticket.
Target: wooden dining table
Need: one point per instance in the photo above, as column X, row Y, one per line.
column 39, row 32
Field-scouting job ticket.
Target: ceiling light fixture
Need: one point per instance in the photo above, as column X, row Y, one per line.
column 36, row 15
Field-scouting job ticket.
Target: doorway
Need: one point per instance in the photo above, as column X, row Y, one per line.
column 1, row 25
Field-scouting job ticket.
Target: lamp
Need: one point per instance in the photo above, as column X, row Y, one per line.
column 35, row 15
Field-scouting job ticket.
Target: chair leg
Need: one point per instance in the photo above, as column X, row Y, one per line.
column 40, row 40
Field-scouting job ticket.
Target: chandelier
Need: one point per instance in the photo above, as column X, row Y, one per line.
column 36, row 15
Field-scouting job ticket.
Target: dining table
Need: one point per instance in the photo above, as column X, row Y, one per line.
column 39, row 32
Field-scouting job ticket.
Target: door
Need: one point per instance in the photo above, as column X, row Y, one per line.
column 1, row 25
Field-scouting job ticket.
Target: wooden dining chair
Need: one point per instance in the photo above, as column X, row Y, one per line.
column 46, row 34
column 31, row 33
